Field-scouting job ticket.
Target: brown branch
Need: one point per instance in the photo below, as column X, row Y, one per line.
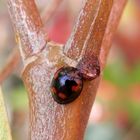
column 111, row 28
column 28, row 26
column 48, row 119
column 89, row 30
column 10, row 65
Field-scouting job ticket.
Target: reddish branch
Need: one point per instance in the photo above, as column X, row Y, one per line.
column 113, row 22
column 93, row 34
column 89, row 31
column 10, row 66
column 28, row 26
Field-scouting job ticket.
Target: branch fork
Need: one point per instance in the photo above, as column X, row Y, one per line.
column 48, row 119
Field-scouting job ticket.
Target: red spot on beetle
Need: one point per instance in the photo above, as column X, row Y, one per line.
column 53, row 90
column 75, row 88
column 61, row 95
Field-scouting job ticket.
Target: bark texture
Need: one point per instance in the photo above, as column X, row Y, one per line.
column 92, row 34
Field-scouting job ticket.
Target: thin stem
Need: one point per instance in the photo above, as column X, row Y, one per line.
column 28, row 26
column 118, row 7
column 90, row 28
column 14, row 58
column 10, row 66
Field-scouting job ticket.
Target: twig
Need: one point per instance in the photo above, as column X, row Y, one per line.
column 89, row 31
column 116, row 13
column 11, row 64
column 28, row 26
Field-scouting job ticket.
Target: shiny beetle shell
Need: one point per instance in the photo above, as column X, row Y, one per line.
column 66, row 85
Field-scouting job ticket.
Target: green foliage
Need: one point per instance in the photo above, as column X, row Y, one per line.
column 135, row 74
column 133, row 109
column 19, row 98
column 118, row 74
column 124, row 78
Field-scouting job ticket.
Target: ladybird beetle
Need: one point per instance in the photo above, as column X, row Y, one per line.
column 66, row 85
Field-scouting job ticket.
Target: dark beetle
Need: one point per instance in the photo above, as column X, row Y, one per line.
column 66, row 85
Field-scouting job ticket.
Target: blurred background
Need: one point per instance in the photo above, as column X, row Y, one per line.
column 116, row 112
